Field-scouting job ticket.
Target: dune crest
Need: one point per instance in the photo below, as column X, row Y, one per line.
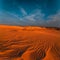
column 29, row 43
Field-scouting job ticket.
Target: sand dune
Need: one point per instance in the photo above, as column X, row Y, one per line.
column 29, row 43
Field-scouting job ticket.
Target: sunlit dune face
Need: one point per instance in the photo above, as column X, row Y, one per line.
column 29, row 43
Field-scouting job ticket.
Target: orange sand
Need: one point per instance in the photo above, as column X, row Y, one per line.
column 29, row 43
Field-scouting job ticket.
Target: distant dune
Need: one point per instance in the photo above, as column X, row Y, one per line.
column 29, row 43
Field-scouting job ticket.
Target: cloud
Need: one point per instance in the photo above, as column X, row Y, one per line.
column 54, row 20
column 34, row 18
column 23, row 11
column 10, row 19
column 12, row 14
column 37, row 18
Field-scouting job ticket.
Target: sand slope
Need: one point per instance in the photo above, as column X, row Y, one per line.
column 29, row 43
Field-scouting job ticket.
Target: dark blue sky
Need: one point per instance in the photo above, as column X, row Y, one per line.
column 47, row 6
column 23, row 8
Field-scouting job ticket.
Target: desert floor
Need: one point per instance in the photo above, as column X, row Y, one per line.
column 29, row 43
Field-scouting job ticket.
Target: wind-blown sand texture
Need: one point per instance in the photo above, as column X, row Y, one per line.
column 29, row 43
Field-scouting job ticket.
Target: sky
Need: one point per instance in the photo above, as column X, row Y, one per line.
column 30, row 12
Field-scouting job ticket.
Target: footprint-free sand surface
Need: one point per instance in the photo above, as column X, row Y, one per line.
column 29, row 43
